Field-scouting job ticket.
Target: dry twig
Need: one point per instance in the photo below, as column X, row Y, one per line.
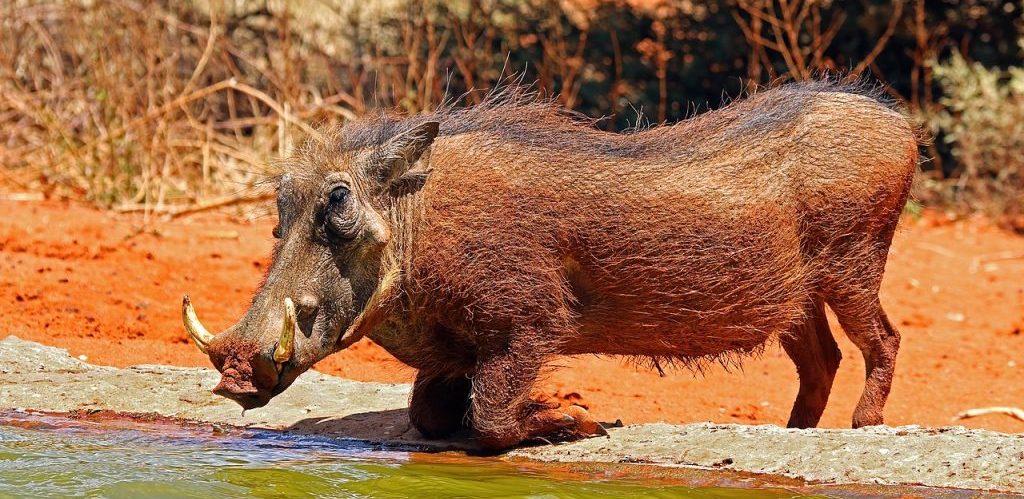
column 1013, row 412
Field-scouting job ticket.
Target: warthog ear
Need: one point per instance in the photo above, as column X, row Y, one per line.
column 399, row 171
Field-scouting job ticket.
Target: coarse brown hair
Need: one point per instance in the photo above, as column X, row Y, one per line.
column 514, row 231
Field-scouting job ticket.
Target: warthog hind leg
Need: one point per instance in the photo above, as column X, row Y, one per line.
column 816, row 355
column 868, row 327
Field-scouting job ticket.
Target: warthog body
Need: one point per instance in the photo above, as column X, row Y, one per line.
column 496, row 237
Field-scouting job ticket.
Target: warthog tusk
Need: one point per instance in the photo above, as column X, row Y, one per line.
column 286, row 345
column 195, row 329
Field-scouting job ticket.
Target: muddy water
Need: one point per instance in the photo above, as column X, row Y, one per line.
column 48, row 456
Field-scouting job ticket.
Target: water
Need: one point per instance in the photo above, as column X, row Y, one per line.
column 47, row 456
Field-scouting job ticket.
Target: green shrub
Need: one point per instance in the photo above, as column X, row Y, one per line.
column 981, row 119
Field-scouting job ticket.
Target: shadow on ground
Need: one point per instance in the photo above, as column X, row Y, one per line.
column 390, row 428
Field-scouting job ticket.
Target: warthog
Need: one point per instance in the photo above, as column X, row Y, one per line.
column 475, row 244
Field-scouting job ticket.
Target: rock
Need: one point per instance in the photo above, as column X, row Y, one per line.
column 48, row 379
column 20, row 356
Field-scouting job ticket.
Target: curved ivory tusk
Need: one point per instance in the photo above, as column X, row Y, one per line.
column 286, row 345
column 195, row 329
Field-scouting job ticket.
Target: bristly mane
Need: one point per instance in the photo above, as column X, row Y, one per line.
column 513, row 113
column 516, row 113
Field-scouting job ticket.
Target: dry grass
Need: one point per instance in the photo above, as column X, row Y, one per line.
column 147, row 107
column 981, row 117
column 175, row 106
column 171, row 106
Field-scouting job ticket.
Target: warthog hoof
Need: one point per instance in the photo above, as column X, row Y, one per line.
column 560, row 425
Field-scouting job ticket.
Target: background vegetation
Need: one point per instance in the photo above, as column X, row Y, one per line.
column 172, row 106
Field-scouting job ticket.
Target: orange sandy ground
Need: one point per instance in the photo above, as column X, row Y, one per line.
column 108, row 287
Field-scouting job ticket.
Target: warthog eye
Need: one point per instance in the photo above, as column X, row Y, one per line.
column 338, row 196
column 339, row 217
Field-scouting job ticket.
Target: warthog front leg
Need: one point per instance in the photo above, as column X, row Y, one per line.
column 503, row 412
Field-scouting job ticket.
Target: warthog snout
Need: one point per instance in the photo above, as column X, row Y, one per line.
column 203, row 338
column 250, row 374
column 234, row 387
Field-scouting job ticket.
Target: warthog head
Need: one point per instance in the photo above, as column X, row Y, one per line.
column 330, row 271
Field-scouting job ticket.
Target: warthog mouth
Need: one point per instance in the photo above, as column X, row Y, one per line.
column 239, row 386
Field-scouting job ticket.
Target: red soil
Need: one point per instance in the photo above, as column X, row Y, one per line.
column 108, row 287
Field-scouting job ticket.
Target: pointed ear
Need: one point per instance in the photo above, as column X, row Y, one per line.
column 397, row 168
